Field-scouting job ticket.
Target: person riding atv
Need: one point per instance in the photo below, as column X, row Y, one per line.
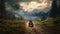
column 30, row 24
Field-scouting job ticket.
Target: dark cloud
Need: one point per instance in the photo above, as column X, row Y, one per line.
column 13, row 3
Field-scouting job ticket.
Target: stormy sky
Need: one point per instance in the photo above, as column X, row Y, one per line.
column 28, row 9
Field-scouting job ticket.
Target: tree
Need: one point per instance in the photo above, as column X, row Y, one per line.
column 2, row 9
column 55, row 10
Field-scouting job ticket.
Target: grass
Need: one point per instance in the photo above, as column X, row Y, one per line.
column 18, row 26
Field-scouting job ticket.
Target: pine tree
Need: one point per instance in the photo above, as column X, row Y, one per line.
column 2, row 9
column 55, row 12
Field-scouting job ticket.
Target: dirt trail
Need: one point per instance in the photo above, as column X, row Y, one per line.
column 36, row 29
